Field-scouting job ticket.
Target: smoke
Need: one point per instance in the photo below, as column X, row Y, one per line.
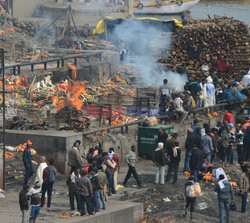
column 143, row 43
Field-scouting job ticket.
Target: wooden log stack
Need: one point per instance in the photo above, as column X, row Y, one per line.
column 220, row 37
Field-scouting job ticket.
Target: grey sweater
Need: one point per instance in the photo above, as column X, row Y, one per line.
column 226, row 193
column 131, row 158
column 206, row 144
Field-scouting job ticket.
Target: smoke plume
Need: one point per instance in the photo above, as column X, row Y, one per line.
column 143, row 43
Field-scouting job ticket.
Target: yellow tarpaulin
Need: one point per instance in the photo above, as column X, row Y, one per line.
column 101, row 26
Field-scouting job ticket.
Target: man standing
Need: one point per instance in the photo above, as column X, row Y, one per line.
column 225, row 193
column 131, row 160
column 111, row 169
column 195, row 163
column 34, row 202
column 209, row 93
column 29, row 169
column 165, row 90
column 179, row 107
column 85, row 192
column 73, row 192
column 162, row 136
column 74, row 156
column 207, row 145
column 195, row 126
column 175, row 157
column 189, row 144
column 244, row 187
column 49, row 177
column 102, row 181
column 116, row 158
column 24, row 203
column 160, row 161
column 40, row 169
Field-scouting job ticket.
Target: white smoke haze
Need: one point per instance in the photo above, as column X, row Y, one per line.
column 142, row 44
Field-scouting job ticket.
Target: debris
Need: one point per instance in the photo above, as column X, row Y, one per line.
column 10, row 148
column 2, row 195
column 203, row 205
column 166, row 199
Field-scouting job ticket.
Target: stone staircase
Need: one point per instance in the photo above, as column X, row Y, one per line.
column 15, row 171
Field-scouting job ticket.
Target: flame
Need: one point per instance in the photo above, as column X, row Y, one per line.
column 75, row 89
column 119, row 79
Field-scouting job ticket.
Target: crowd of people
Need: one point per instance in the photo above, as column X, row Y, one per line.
column 200, row 92
column 204, row 145
column 89, row 184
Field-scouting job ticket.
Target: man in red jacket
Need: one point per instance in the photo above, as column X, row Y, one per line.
column 228, row 117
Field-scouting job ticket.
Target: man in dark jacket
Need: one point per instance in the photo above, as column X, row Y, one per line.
column 74, row 156
column 170, row 142
column 85, row 192
column 194, row 88
column 225, row 195
column 49, row 177
column 162, row 136
column 73, row 192
column 159, row 159
column 175, row 157
column 189, row 147
column 27, row 161
column 195, row 163
column 24, row 203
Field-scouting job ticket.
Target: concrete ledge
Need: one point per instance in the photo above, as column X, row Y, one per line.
column 52, row 144
column 117, row 212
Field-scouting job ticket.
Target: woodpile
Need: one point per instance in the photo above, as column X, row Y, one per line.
column 18, row 25
column 203, row 41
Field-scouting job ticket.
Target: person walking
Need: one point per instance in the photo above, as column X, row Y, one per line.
column 244, row 187
column 74, row 156
column 24, row 203
column 73, row 192
column 207, row 145
column 225, row 193
column 40, row 169
column 34, row 196
column 85, row 191
column 131, row 160
column 49, row 177
column 196, row 161
column 159, row 160
column 190, row 201
column 27, row 161
column 175, row 158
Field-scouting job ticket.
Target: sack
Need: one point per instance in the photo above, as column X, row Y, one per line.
column 193, row 190
column 233, row 206
column 52, row 175
column 193, row 105
column 240, row 97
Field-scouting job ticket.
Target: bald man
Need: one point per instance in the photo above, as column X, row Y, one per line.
column 39, row 172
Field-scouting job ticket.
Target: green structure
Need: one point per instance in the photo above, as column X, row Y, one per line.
column 147, row 138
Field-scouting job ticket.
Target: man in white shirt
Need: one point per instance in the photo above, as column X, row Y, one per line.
column 179, row 107
column 40, row 169
column 246, row 80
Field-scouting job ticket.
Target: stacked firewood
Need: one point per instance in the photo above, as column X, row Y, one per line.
column 204, row 41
